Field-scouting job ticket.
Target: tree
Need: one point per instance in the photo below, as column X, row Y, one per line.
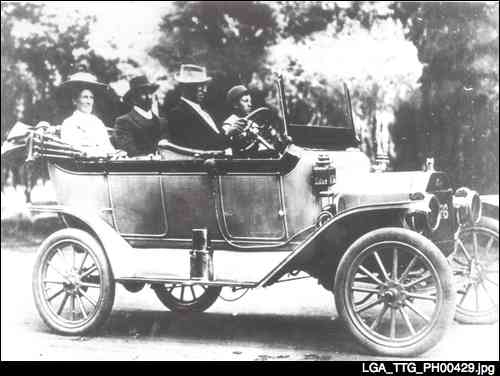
column 324, row 43
column 298, row 19
column 459, row 110
column 243, row 42
column 43, row 52
column 38, row 52
column 227, row 37
column 17, row 83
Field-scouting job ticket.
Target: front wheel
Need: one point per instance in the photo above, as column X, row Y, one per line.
column 187, row 298
column 394, row 291
column 73, row 285
column 475, row 268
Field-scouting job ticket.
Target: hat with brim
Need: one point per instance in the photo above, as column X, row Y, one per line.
column 139, row 84
column 192, row 74
column 80, row 81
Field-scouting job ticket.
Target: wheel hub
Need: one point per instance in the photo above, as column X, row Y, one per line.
column 476, row 272
column 393, row 295
column 390, row 295
column 73, row 281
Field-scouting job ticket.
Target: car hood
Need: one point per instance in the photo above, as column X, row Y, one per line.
column 356, row 185
column 382, row 187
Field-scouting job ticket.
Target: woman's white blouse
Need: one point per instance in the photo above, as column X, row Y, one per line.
column 87, row 132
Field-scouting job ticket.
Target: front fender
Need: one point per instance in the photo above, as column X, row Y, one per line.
column 490, row 206
column 321, row 252
column 117, row 250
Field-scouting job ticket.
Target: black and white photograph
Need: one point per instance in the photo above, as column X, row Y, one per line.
column 251, row 181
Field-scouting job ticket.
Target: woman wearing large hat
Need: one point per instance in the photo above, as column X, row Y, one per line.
column 83, row 129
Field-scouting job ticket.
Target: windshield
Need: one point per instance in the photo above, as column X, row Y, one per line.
column 318, row 106
column 315, row 116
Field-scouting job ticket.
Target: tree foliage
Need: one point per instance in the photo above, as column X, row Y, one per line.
column 38, row 52
column 426, row 72
column 243, row 42
column 228, row 37
column 458, row 115
column 300, row 19
column 379, row 65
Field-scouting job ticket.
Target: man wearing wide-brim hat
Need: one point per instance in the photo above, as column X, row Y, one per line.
column 190, row 125
column 139, row 131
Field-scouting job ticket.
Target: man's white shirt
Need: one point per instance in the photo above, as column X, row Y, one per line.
column 145, row 114
column 205, row 115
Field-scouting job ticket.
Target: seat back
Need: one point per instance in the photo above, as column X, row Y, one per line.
column 170, row 151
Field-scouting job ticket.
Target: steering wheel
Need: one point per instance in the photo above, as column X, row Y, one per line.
column 259, row 131
column 257, row 111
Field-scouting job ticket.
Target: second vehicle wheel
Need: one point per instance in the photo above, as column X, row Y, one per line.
column 475, row 269
column 394, row 291
column 73, row 285
column 187, row 298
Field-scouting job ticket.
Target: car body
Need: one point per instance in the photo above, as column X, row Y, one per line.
column 185, row 220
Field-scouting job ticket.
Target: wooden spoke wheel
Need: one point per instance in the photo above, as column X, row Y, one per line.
column 394, row 291
column 73, row 285
column 475, row 270
column 186, row 298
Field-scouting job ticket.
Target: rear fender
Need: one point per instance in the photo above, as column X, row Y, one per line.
column 320, row 254
column 117, row 250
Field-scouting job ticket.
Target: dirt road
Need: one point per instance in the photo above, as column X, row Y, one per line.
column 290, row 321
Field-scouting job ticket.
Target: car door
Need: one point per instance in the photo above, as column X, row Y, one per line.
column 252, row 206
column 137, row 202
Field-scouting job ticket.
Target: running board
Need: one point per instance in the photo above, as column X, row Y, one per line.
column 188, row 282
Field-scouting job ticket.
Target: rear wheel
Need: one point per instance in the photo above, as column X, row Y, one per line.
column 475, row 269
column 394, row 291
column 73, row 285
column 187, row 298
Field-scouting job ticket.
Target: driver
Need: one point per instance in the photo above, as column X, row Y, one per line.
column 238, row 97
column 242, row 132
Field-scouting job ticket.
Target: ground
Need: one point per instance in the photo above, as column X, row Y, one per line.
column 290, row 321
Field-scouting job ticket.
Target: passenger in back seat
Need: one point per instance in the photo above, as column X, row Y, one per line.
column 83, row 129
column 139, row 131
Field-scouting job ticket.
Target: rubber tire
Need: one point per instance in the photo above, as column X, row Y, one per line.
column 201, row 304
column 106, row 301
column 432, row 252
column 491, row 317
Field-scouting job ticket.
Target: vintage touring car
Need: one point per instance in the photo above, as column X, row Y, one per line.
column 402, row 252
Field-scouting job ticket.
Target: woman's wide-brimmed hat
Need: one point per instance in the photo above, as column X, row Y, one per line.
column 79, row 81
column 137, row 84
column 192, row 74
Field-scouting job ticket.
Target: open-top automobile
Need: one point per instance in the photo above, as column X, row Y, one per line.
column 390, row 246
